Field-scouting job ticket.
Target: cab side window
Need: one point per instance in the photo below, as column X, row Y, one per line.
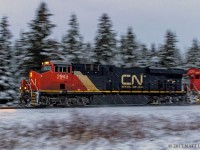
column 64, row 69
column 68, row 69
column 60, row 69
column 56, row 69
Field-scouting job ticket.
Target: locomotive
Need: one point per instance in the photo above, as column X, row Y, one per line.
column 62, row 83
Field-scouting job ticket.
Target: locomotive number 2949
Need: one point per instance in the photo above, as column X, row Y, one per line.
column 62, row 76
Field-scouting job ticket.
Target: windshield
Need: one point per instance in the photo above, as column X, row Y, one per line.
column 45, row 68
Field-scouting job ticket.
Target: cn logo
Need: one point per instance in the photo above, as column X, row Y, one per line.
column 127, row 79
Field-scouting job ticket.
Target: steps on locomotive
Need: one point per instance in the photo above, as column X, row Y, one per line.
column 193, row 95
column 33, row 98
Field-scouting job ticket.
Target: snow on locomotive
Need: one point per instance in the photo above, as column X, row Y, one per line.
column 61, row 83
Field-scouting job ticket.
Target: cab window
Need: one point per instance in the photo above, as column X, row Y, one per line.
column 60, row 69
column 45, row 68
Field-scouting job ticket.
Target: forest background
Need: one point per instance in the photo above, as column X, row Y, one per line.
column 36, row 45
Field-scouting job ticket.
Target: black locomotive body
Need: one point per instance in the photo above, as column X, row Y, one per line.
column 134, row 85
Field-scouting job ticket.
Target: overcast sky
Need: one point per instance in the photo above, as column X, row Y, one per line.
column 149, row 18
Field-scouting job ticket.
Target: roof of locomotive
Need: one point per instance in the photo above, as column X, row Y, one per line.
column 193, row 71
column 151, row 69
column 167, row 70
column 60, row 62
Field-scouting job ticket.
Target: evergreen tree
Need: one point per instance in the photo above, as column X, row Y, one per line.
column 144, row 56
column 88, row 53
column 153, row 56
column 52, row 47
column 193, row 55
column 170, row 51
column 179, row 59
column 122, row 50
column 6, row 69
column 72, row 42
column 20, row 57
column 40, row 45
column 129, row 48
column 83, row 53
column 153, row 50
column 105, row 42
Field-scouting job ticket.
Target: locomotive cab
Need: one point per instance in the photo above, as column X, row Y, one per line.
column 53, row 76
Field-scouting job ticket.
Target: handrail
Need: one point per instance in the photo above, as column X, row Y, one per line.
column 37, row 93
column 29, row 86
column 195, row 88
column 30, row 89
column 34, row 84
column 188, row 89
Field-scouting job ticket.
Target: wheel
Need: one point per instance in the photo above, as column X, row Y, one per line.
column 68, row 102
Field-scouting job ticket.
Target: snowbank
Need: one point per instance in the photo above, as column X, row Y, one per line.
column 93, row 130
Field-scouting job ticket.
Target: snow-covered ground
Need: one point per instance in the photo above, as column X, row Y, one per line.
column 99, row 128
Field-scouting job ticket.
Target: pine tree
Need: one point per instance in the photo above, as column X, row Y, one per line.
column 170, row 51
column 88, row 53
column 129, row 48
column 105, row 42
column 178, row 59
column 153, row 51
column 144, row 56
column 72, row 42
column 83, row 53
column 122, row 50
column 52, row 47
column 40, row 45
column 193, row 55
column 153, row 56
column 20, row 57
column 6, row 69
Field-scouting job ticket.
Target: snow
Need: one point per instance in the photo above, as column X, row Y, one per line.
column 99, row 128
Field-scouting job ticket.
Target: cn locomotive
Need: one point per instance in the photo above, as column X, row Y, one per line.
column 61, row 83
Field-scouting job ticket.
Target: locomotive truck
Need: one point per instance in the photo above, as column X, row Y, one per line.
column 62, row 83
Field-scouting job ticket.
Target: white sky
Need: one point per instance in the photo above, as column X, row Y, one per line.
column 149, row 18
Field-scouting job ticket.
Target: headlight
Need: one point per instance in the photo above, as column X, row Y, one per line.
column 46, row 63
column 31, row 74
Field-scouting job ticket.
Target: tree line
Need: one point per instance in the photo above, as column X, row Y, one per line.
column 36, row 45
